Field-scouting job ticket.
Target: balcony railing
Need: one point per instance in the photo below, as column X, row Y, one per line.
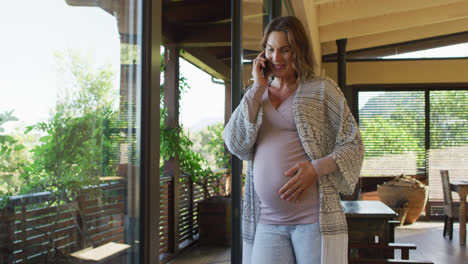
column 35, row 229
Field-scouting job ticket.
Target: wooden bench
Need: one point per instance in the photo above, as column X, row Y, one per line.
column 393, row 261
column 381, row 253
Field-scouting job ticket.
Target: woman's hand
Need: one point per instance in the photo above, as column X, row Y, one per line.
column 259, row 64
column 304, row 176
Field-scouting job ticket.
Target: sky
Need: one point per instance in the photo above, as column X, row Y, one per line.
column 30, row 80
column 452, row 51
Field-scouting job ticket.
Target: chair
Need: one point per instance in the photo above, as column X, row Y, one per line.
column 450, row 209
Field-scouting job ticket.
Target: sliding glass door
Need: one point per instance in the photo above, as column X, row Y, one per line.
column 70, row 114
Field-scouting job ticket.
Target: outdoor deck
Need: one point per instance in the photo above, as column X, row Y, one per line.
column 426, row 235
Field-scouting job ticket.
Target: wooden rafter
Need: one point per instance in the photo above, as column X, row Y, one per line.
column 398, row 36
column 411, row 46
column 207, row 62
column 397, row 21
column 354, row 10
column 306, row 11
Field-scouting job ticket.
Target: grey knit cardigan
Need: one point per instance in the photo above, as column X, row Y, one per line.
column 326, row 127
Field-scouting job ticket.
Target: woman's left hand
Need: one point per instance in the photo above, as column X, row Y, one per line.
column 304, row 176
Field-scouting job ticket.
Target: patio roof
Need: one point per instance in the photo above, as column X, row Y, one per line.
column 202, row 27
column 372, row 27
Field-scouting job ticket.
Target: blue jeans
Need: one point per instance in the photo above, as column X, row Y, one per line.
column 286, row 244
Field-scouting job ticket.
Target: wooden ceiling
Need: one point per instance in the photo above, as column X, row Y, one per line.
column 202, row 27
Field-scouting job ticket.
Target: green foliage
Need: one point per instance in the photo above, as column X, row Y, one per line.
column 449, row 118
column 74, row 149
column 403, row 131
column 75, row 145
column 5, row 117
column 12, row 160
column 129, row 54
column 395, row 138
column 216, row 146
column 175, row 143
column 209, row 143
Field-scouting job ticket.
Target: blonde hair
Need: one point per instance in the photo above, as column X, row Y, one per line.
column 298, row 41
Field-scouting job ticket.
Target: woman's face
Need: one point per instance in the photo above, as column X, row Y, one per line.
column 279, row 55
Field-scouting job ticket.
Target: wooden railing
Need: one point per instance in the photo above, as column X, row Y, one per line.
column 34, row 227
column 186, row 232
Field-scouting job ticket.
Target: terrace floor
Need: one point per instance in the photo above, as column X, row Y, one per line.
column 426, row 235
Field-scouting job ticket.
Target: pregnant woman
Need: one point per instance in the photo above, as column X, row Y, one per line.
column 303, row 148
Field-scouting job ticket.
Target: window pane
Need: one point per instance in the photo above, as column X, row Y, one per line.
column 392, row 127
column 69, row 126
column 449, row 134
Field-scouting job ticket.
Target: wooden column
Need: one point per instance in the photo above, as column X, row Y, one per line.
column 171, row 167
column 227, row 102
column 81, row 220
column 341, row 47
column 236, row 164
column 7, row 221
column 274, row 9
column 150, row 132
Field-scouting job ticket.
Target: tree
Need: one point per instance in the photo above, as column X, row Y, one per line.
column 12, row 160
column 74, row 149
column 394, row 122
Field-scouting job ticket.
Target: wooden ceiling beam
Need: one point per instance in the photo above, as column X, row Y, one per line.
column 399, row 21
column 207, row 62
column 322, row 2
column 214, row 35
column 398, row 36
column 404, row 47
column 353, row 10
column 207, row 33
column 252, row 9
column 206, row 11
column 306, row 11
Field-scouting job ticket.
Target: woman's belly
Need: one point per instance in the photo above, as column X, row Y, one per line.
column 273, row 157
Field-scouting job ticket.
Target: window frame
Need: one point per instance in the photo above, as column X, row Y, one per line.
column 404, row 87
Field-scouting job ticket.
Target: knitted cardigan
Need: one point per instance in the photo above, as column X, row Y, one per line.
column 326, row 127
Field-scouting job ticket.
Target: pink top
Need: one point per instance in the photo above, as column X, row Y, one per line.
column 279, row 148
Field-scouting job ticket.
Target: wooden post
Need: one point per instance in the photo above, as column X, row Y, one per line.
column 149, row 178
column 341, row 47
column 191, row 197
column 236, row 164
column 227, row 102
column 274, row 9
column 81, row 220
column 172, row 166
column 7, row 219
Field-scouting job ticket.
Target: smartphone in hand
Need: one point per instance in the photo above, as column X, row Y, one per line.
column 266, row 68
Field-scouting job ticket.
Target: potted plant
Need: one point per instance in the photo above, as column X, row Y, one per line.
column 215, row 211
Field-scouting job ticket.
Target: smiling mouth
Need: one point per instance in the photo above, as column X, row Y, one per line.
column 277, row 67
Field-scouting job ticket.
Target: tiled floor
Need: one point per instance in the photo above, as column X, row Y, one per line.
column 426, row 235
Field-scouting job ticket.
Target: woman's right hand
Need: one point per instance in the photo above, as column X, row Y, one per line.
column 259, row 64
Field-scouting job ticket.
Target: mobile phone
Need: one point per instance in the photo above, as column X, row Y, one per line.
column 266, row 68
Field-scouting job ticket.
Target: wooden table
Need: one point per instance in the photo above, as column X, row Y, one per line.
column 461, row 187
column 368, row 221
